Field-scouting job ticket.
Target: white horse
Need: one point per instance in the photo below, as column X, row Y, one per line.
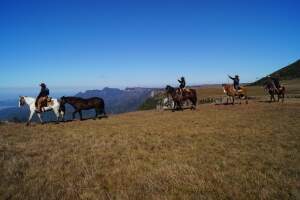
column 30, row 101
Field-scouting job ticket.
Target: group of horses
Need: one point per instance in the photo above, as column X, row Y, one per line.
column 58, row 106
column 179, row 97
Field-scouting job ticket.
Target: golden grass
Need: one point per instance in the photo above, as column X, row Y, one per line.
column 216, row 152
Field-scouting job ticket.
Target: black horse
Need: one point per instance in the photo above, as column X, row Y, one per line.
column 179, row 97
column 80, row 104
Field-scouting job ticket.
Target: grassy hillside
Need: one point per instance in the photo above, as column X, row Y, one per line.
column 289, row 72
column 216, row 152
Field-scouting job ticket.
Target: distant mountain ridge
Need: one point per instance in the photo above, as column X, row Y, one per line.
column 289, row 72
column 119, row 101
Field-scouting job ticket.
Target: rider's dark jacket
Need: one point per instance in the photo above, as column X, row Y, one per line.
column 182, row 83
column 271, row 82
column 276, row 82
column 43, row 93
column 236, row 82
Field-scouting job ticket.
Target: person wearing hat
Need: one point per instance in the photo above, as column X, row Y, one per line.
column 41, row 100
column 236, row 82
column 182, row 84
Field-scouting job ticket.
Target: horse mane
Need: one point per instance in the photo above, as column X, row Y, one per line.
column 73, row 98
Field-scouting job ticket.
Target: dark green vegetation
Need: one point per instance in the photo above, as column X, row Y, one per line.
column 151, row 102
column 289, row 72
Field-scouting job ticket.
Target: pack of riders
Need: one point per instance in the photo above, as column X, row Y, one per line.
column 272, row 82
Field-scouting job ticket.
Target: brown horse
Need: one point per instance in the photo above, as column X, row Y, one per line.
column 80, row 104
column 178, row 98
column 231, row 92
column 273, row 91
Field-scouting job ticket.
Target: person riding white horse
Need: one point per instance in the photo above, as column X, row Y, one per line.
column 42, row 98
column 30, row 101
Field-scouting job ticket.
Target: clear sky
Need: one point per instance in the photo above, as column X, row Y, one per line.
column 93, row 43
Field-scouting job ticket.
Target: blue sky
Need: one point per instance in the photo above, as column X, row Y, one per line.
column 92, row 44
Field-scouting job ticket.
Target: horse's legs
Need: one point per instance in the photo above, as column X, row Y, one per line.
column 40, row 118
column 240, row 99
column 57, row 114
column 96, row 112
column 80, row 114
column 176, row 106
column 271, row 97
column 73, row 114
column 30, row 117
column 194, row 104
column 62, row 115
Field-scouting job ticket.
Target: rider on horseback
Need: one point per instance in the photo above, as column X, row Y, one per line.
column 236, row 82
column 273, row 82
column 42, row 98
column 182, row 84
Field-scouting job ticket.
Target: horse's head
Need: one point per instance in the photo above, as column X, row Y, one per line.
column 62, row 100
column 226, row 88
column 22, row 101
column 169, row 89
column 62, row 106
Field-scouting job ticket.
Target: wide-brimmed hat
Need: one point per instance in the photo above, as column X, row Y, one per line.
column 43, row 85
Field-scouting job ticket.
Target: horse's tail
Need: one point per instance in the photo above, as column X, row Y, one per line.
column 103, row 108
column 283, row 89
column 194, row 97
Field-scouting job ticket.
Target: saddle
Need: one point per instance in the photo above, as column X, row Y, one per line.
column 50, row 102
column 186, row 90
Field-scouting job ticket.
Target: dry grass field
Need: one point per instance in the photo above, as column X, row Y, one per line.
column 216, row 152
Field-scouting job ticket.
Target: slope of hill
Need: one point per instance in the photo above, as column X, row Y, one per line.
column 289, row 72
column 216, row 152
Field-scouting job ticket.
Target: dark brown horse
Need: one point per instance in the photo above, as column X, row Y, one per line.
column 179, row 97
column 80, row 104
column 273, row 91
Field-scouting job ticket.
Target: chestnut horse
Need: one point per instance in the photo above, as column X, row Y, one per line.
column 231, row 92
column 178, row 98
column 80, row 104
